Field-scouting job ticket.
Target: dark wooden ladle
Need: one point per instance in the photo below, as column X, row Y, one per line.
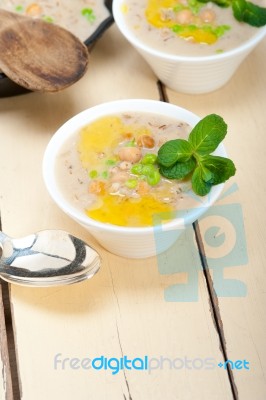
column 38, row 55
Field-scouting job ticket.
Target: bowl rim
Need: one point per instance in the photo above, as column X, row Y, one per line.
column 71, row 127
column 245, row 46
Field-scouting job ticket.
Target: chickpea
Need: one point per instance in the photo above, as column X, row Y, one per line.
column 146, row 141
column 207, row 15
column 34, row 10
column 125, row 165
column 131, row 154
column 184, row 17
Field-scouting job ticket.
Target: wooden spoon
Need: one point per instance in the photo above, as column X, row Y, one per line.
column 38, row 55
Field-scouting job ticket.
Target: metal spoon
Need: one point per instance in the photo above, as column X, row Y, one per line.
column 38, row 55
column 47, row 258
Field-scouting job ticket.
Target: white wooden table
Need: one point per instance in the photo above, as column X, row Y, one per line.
column 188, row 315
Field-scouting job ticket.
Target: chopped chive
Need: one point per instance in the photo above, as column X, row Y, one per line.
column 89, row 14
column 19, row 8
column 48, row 19
column 131, row 183
column 93, row 174
column 110, row 162
column 105, row 174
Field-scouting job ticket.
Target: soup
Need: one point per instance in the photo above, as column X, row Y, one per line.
column 81, row 17
column 109, row 171
column 186, row 27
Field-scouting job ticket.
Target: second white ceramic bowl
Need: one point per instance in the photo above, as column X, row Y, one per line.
column 192, row 75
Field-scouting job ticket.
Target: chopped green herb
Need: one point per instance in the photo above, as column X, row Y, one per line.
column 89, row 14
column 195, row 6
column 149, row 158
column 131, row 143
column 93, row 174
column 178, row 160
column 136, row 169
column 218, row 31
column 131, row 183
column 48, row 19
column 105, row 174
column 179, row 7
column 110, row 162
column 19, row 8
column 148, row 169
column 153, row 178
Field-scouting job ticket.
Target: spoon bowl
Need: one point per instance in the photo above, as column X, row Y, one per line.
column 47, row 258
column 38, row 55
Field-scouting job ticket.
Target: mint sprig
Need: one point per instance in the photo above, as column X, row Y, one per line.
column 245, row 11
column 179, row 158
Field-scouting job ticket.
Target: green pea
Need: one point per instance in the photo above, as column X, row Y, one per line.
column 148, row 169
column 136, row 169
column 131, row 183
column 93, row 174
column 149, row 158
column 154, row 178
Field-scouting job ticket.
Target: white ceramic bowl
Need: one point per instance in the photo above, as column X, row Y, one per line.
column 185, row 74
column 124, row 241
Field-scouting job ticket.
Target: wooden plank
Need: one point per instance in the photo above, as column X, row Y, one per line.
column 122, row 311
column 241, row 303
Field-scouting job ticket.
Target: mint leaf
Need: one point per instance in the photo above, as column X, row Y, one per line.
column 179, row 170
column 173, row 151
column 207, row 134
column 207, row 175
column 199, row 186
column 244, row 11
column 221, row 168
column 177, row 159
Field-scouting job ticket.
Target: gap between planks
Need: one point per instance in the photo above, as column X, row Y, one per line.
column 213, row 299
